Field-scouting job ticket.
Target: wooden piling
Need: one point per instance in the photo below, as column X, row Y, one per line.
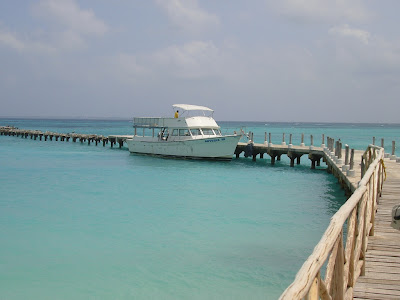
column 393, row 147
column 346, row 158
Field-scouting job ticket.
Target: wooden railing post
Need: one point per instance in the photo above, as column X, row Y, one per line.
column 344, row 261
column 312, row 142
column 393, row 156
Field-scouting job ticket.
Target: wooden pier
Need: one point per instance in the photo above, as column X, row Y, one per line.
column 74, row 137
column 345, row 170
column 359, row 254
column 382, row 260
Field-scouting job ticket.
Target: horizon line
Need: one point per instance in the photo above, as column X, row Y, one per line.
column 113, row 118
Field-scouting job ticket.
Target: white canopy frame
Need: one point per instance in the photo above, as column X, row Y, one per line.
column 185, row 109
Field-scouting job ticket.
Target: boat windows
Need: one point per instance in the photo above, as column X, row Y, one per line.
column 175, row 132
column 195, row 131
column 184, row 132
column 217, row 132
column 207, row 131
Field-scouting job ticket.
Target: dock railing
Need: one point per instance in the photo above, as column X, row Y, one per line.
column 339, row 259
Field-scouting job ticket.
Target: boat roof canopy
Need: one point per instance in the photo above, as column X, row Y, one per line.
column 189, row 107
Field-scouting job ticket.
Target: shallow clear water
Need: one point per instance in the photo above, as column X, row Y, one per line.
column 87, row 222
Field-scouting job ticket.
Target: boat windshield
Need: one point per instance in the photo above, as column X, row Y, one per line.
column 195, row 131
column 207, row 131
column 217, row 132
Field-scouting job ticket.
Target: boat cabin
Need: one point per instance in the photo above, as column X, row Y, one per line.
column 193, row 122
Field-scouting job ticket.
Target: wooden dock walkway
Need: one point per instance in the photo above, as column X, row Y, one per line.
column 382, row 267
column 359, row 254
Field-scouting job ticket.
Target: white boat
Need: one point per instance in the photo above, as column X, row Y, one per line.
column 193, row 134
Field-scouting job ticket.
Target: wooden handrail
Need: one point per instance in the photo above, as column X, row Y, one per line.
column 345, row 260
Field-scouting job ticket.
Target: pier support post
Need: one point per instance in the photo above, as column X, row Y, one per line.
column 302, row 140
column 339, row 159
column 323, row 141
column 290, row 141
column 387, row 154
column 393, row 156
column 373, row 140
column 312, row 142
column 274, row 154
column 294, row 156
column 346, row 166
column 269, row 140
column 351, row 172
column 283, row 139
column 315, row 159
column 265, row 139
column 332, row 153
column 121, row 142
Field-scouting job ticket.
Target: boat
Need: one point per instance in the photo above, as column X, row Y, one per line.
column 192, row 134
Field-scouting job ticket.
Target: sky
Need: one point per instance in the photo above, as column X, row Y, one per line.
column 258, row 60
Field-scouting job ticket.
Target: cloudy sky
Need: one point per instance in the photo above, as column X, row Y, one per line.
column 258, row 60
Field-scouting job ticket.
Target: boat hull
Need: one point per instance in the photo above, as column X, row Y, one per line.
column 219, row 148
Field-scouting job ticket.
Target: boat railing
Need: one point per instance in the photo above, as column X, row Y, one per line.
column 338, row 260
column 148, row 122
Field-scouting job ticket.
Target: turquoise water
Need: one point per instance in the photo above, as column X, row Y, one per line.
column 87, row 222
